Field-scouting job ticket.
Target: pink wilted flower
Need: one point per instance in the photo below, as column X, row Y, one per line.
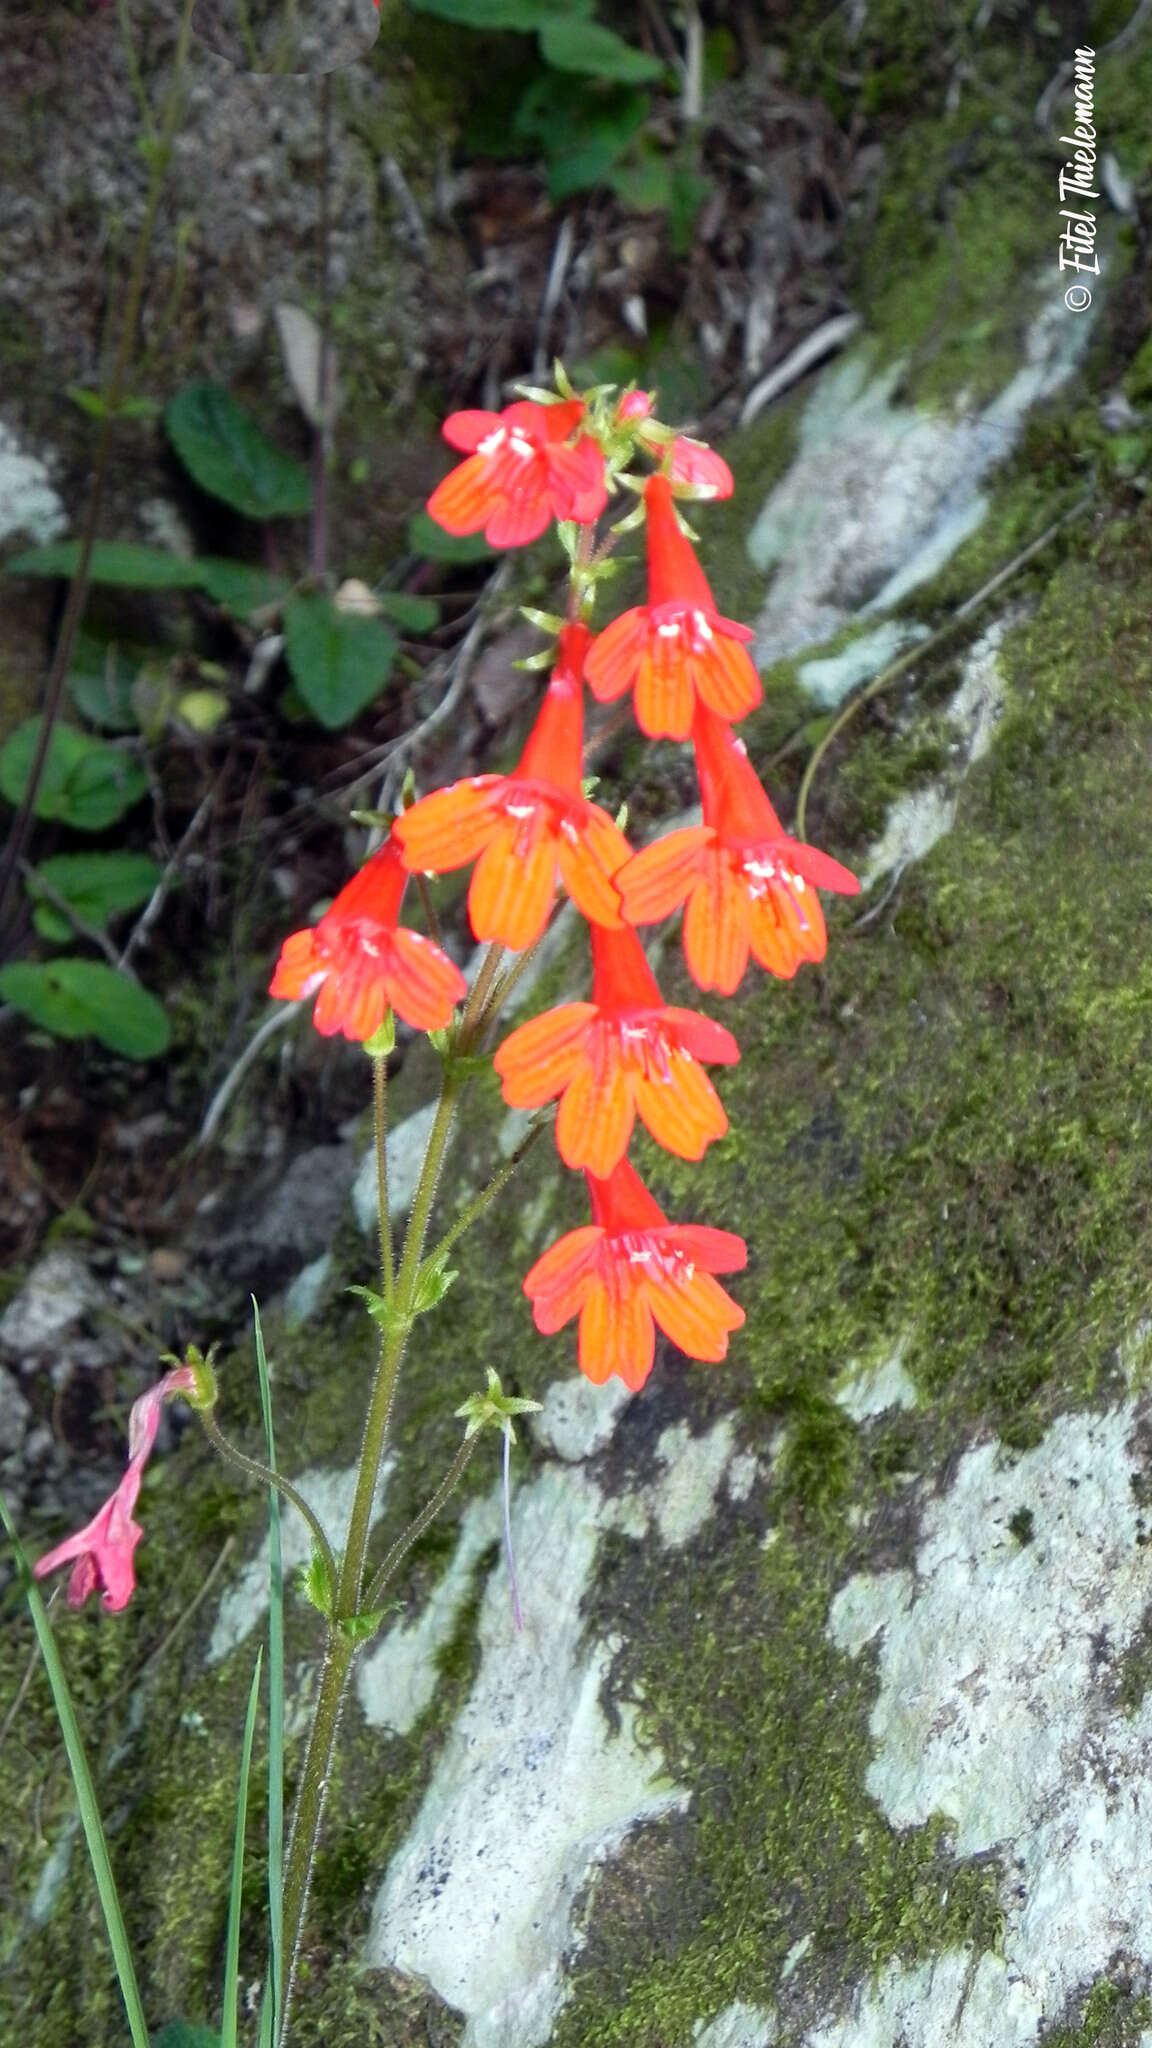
column 101, row 1553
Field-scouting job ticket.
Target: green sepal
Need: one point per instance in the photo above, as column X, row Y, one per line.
column 376, row 821
column 494, row 1409
column 358, row 1627
column 383, row 1039
column 547, row 621
column 314, row 1581
column 433, row 1280
column 387, row 1315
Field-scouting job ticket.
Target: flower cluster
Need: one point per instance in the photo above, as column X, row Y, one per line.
column 744, row 885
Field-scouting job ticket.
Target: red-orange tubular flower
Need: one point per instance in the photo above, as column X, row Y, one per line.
column 527, row 827
column 520, row 474
column 630, row 1268
column 745, row 882
column 364, row 965
column 676, row 648
column 626, row 1050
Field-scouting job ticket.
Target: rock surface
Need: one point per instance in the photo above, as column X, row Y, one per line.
column 828, row 1725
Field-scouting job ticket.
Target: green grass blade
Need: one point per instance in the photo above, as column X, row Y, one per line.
column 85, row 1790
column 274, row 1989
column 229, row 2020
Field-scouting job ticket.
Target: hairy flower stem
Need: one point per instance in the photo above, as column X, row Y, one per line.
column 266, row 1477
column 159, row 154
column 380, row 1130
column 341, row 1647
column 428, row 1513
column 309, row 1810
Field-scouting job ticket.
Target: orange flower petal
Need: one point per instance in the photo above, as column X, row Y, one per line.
column 560, row 1279
column 450, row 827
column 463, row 503
column 513, row 882
column 695, row 1313
column 589, row 854
column 665, row 692
column 683, row 1113
column 298, row 964
column 616, row 1332
column 726, row 678
column 422, row 984
column 716, row 926
column 537, row 1061
column 779, row 940
column 655, row 881
column 615, row 654
column 595, row 1118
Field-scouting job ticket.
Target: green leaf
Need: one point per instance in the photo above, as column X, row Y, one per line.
column 126, row 563
column 412, row 614
column 273, row 1989
column 96, row 885
column 87, row 999
column 238, row 586
column 427, row 539
column 579, row 129
column 230, row 2015
column 85, row 782
column 523, row 15
column 85, row 1790
column 228, row 455
column 644, row 183
column 103, row 672
column 573, row 45
column 182, row 2034
column 339, row 662
column 689, row 191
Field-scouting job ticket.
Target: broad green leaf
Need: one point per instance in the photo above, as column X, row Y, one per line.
column 339, row 662
column 86, row 999
column 596, row 52
column 239, row 587
column 228, row 455
column 580, row 129
column 182, row 2034
column 103, row 672
column 123, row 562
column 523, row 15
column 96, row 885
column 86, row 783
column 645, row 183
column 427, row 539
column 412, row 614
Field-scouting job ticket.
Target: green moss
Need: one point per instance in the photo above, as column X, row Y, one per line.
column 1112, row 2016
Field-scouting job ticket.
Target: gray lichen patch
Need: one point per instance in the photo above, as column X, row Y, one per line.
column 995, row 1705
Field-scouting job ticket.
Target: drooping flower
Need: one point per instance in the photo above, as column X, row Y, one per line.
column 364, row 964
column 101, row 1554
column 630, row 1268
column 522, row 472
column 527, row 827
column 746, row 884
column 625, row 1051
column 694, row 463
column 676, row 648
